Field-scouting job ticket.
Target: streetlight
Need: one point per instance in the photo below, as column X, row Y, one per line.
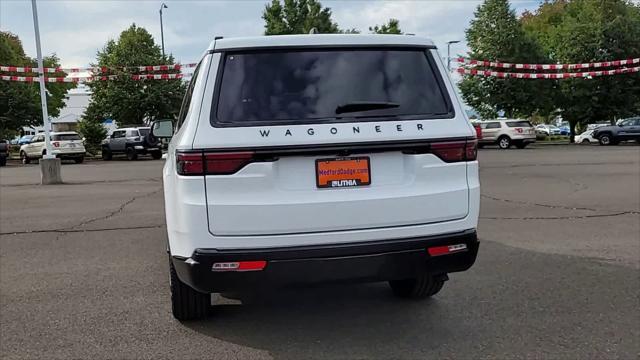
column 449, row 52
column 50, row 172
column 163, row 6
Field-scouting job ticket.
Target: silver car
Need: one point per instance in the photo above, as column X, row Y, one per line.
column 507, row 132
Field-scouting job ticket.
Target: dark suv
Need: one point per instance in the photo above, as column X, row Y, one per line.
column 627, row 129
column 132, row 142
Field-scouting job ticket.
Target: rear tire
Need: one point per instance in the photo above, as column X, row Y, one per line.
column 187, row 303
column 156, row 155
column 606, row 140
column 131, row 154
column 585, row 142
column 504, row 142
column 421, row 287
column 25, row 159
column 106, row 154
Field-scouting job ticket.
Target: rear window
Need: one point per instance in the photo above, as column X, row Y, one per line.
column 143, row 132
column 519, row 124
column 308, row 86
column 493, row 125
column 65, row 137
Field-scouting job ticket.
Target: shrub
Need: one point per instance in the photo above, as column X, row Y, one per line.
column 93, row 133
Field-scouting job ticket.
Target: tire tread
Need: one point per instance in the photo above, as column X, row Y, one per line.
column 187, row 303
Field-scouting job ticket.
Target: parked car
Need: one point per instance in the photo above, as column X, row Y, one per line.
column 586, row 138
column 507, row 132
column 66, row 145
column 627, row 129
column 268, row 183
column 25, row 139
column 4, row 152
column 132, row 141
column 565, row 130
column 548, row 130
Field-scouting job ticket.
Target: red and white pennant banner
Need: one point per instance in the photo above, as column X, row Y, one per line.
column 504, row 65
column 92, row 78
column 23, row 69
column 586, row 74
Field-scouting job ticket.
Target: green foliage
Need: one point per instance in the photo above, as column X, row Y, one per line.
column 496, row 33
column 93, row 132
column 392, row 27
column 20, row 102
column 129, row 101
column 298, row 17
column 590, row 31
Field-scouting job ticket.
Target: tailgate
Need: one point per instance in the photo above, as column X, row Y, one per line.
column 284, row 197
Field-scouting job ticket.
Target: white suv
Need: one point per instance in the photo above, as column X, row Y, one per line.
column 318, row 158
column 64, row 145
column 507, row 132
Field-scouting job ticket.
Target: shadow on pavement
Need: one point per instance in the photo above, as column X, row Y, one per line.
column 320, row 321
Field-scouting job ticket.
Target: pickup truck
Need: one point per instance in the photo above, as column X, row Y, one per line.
column 627, row 129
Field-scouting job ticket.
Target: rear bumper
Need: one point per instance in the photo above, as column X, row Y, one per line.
column 64, row 155
column 355, row 262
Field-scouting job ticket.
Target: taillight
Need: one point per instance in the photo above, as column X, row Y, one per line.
column 190, row 163
column 455, row 151
column 478, row 132
column 471, row 150
column 226, row 163
column 55, row 144
column 239, row 266
column 447, row 249
column 212, row 163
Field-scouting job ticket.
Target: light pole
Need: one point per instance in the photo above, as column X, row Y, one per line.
column 163, row 6
column 449, row 53
column 49, row 165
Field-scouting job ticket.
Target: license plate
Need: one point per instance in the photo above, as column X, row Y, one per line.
column 343, row 172
column 72, row 145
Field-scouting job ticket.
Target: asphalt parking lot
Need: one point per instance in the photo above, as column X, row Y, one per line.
column 83, row 273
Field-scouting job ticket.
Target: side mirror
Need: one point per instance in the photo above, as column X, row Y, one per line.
column 162, row 129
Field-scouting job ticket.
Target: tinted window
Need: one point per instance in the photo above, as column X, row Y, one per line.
column 308, row 86
column 65, row 137
column 143, row 132
column 38, row 138
column 519, row 124
column 630, row 122
column 118, row 134
column 493, row 125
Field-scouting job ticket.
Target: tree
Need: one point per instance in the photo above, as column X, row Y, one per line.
column 131, row 101
column 582, row 31
column 297, row 17
column 391, row 27
column 20, row 102
column 496, row 34
column 93, row 132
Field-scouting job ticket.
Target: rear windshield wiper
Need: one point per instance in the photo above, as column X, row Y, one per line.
column 356, row 106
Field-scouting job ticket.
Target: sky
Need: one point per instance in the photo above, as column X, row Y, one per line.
column 75, row 30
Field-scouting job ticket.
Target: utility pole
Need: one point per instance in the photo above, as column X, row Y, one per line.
column 449, row 53
column 50, row 169
column 163, row 6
